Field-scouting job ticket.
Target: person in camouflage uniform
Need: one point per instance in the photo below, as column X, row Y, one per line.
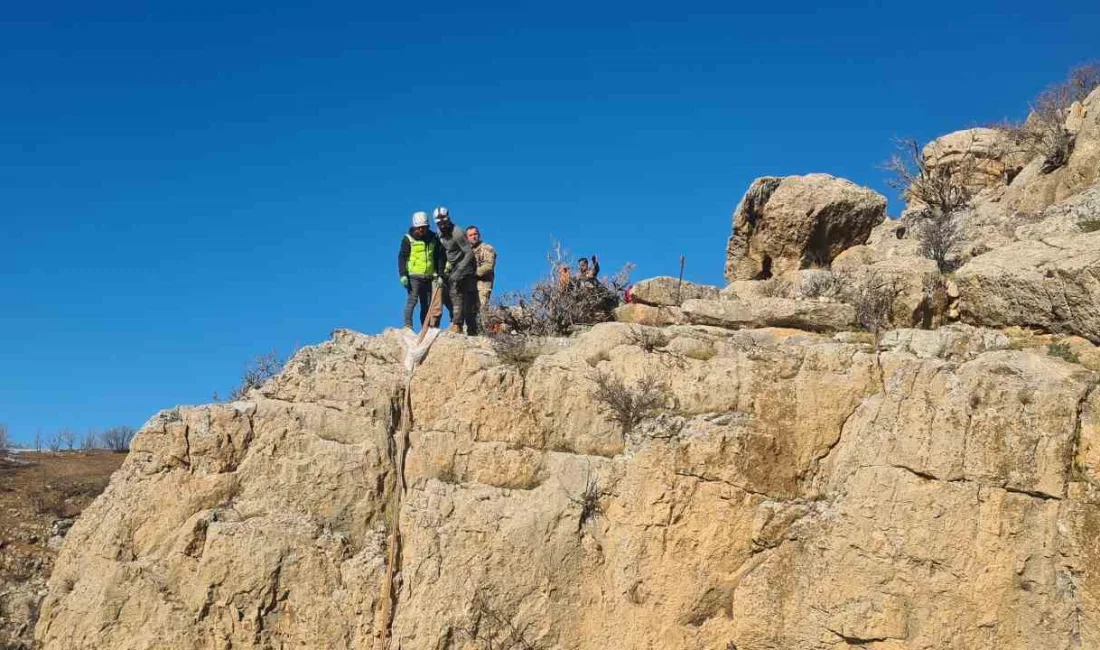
column 486, row 257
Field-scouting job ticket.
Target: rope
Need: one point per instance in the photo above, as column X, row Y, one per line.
column 384, row 616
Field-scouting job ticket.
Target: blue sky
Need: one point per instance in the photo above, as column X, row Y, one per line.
column 184, row 186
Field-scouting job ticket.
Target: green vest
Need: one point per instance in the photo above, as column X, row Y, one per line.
column 421, row 258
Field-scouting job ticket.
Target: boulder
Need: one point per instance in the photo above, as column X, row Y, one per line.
column 810, row 315
column 667, row 291
column 956, row 342
column 795, row 222
column 1051, row 284
column 1034, row 189
column 981, row 157
column 639, row 314
column 919, row 298
column 1079, row 213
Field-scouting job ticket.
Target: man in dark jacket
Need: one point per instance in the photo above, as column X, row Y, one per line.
column 459, row 274
column 420, row 261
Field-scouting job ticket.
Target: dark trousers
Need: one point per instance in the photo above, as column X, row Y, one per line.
column 462, row 303
column 420, row 289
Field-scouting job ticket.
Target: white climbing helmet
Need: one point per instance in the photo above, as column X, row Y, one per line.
column 441, row 214
column 420, row 218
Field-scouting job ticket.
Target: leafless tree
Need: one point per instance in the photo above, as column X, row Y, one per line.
column 5, row 443
column 117, row 439
column 1043, row 133
column 90, row 440
column 38, row 441
column 940, row 193
column 54, row 442
column 940, row 188
column 937, row 236
column 67, row 438
column 256, row 374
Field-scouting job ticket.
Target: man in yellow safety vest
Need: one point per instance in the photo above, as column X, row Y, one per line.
column 420, row 261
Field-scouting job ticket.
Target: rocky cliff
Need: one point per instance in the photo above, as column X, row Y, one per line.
column 799, row 491
column 789, row 481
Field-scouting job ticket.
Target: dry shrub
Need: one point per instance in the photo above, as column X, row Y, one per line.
column 48, row 502
column 515, row 350
column 1091, row 224
column 629, row 404
column 492, row 628
column 558, row 305
column 589, row 501
column 648, row 339
column 942, row 189
column 937, row 236
column 256, row 374
column 1063, row 351
column 775, row 287
column 872, row 294
column 1044, row 132
column 821, row 284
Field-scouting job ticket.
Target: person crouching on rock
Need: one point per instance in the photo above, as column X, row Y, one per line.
column 586, row 271
column 459, row 274
column 420, row 261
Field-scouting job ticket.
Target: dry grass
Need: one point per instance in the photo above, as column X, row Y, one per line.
column 822, row 284
column 1063, row 351
column 775, row 287
column 647, row 338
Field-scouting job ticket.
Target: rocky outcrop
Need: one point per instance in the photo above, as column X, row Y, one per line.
column 794, row 222
column 1052, row 284
column 808, row 315
column 640, row 314
column 1078, row 214
column 794, row 492
column 981, row 157
column 666, row 291
column 1034, row 188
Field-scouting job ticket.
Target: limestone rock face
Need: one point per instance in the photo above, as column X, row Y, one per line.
column 795, row 492
column 794, row 222
column 1079, row 213
column 985, row 157
column 1033, row 190
column 640, row 314
column 667, row 291
column 809, row 315
column 1050, row 283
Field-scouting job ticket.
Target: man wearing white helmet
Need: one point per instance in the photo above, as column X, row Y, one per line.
column 419, row 262
column 459, row 274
